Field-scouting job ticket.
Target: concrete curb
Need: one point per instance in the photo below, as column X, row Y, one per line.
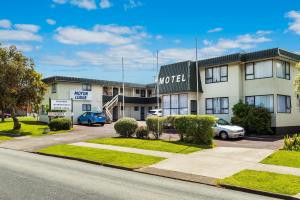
column 259, row 192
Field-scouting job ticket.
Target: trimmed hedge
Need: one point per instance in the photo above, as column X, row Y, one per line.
column 155, row 125
column 60, row 124
column 194, row 128
column 292, row 143
column 142, row 132
column 126, row 127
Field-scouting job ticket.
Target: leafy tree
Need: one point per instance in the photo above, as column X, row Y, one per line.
column 20, row 84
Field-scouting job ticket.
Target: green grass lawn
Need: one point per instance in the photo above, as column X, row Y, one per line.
column 157, row 145
column 265, row 181
column 116, row 158
column 284, row 158
column 30, row 126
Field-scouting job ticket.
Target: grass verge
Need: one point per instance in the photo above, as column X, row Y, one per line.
column 102, row 156
column 29, row 126
column 265, row 181
column 157, row 145
column 284, row 158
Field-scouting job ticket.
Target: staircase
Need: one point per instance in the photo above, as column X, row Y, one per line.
column 107, row 107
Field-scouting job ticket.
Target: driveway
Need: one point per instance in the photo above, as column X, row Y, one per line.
column 80, row 133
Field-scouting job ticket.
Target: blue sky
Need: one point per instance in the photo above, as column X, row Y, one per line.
column 87, row 38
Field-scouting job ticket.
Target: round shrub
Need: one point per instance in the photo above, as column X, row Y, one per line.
column 142, row 132
column 60, row 124
column 155, row 125
column 126, row 126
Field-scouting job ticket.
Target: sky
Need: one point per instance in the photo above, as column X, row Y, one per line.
column 88, row 38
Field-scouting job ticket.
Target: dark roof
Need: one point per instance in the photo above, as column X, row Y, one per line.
column 54, row 79
column 248, row 57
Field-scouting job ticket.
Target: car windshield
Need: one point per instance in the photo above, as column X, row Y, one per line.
column 223, row 122
column 152, row 111
column 98, row 114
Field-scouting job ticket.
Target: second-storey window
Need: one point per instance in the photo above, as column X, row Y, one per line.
column 255, row 70
column 283, row 104
column 87, row 87
column 219, row 105
column 86, row 107
column 216, row 74
column 53, row 87
column 283, row 69
column 264, row 101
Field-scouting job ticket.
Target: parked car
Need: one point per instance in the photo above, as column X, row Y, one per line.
column 6, row 115
column 225, row 130
column 155, row 112
column 91, row 118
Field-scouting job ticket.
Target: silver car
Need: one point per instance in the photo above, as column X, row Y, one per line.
column 155, row 112
column 225, row 130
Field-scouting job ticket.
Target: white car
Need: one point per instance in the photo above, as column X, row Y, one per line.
column 155, row 112
column 225, row 130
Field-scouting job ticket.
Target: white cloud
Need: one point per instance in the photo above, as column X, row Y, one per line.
column 295, row 24
column 111, row 34
column 5, row 23
column 214, row 30
column 27, row 27
column 18, row 35
column 21, row 47
column 263, row 32
column 177, row 41
column 158, row 37
column 73, row 35
column 132, row 4
column 86, row 4
column 105, row 4
column 59, row 60
column 51, row 21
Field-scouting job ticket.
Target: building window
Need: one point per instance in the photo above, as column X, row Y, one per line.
column 216, row 74
column 149, row 93
column 86, row 107
column 256, row 70
column 283, row 69
column 122, row 108
column 149, row 108
column 137, row 91
column 219, row 105
column 264, row 101
column 283, row 104
column 175, row 104
column 136, row 108
column 121, row 90
column 87, row 87
column 54, row 87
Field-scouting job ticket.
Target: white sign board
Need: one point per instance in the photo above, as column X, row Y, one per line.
column 56, row 114
column 79, row 95
column 60, row 104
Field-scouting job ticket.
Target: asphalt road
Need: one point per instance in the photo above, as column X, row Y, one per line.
column 34, row 177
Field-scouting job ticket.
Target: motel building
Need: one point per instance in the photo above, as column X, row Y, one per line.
column 263, row 78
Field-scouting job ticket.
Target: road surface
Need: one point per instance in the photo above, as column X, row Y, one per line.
column 26, row 176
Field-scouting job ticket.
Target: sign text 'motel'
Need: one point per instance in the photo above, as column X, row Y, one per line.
column 172, row 79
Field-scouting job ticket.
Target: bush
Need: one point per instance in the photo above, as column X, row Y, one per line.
column 142, row 132
column 292, row 143
column 126, row 126
column 60, row 124
column 155, row 125
column 195, row 128
column 255, row 120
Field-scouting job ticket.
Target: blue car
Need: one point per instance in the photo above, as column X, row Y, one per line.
column 91, row 118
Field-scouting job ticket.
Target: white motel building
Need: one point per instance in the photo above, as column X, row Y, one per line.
column 262, row 78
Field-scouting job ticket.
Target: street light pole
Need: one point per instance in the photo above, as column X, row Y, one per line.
column 197, row 76
column 123, row 95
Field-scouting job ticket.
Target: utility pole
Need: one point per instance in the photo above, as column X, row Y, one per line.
column 123, row 95
column 197, row 76
column 157, row 88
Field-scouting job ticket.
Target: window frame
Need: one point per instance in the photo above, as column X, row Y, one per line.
column 178, row 108
column 254, row 63
column 286, row 98
column 85, row 106
column 86, row 87
column 285, row 74
column 213, row 108
column 136, row 108
column 54, row 89
column 212, row 72
column 259, row 96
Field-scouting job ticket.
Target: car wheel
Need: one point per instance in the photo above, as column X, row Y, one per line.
column 223, row 135
column 89, row 123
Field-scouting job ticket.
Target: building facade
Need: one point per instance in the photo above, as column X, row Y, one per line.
column 98, row 95
column 264, row 79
